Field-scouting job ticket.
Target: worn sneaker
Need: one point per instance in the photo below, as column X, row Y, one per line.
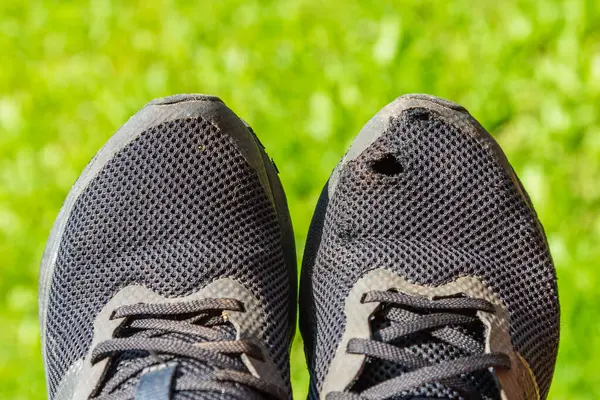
column 170, row 271
column 427, row 274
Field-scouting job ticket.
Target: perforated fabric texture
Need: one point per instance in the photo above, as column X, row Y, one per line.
column 444, row 206
column 174, row 210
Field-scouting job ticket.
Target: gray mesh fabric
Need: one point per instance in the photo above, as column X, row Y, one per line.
column 431, row 203
column 176, row 209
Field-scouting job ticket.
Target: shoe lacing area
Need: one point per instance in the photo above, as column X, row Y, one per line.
column 406, row 315
column 164, row 334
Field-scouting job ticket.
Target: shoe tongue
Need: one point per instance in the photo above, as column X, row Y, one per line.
column 186, row 367
column 433, row 351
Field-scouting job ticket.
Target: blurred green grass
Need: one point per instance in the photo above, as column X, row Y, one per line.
column 307, row 75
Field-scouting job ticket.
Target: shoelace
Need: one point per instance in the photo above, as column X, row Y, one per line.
column 409, row 315
column 151, row 323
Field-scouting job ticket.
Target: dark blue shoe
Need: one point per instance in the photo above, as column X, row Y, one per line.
column 427, row 274
column 170, row 272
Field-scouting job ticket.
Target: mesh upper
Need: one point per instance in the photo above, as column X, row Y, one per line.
column 174, row 210
column 450, row 209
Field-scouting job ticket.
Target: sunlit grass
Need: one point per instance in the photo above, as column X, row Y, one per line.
column 306, row 75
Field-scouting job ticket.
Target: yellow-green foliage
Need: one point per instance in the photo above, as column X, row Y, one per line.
column 307, row 75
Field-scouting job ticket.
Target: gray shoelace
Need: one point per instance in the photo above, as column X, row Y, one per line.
column 410, row 315
column 153, row 330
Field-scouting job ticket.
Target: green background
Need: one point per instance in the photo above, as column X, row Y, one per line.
column 307, row 75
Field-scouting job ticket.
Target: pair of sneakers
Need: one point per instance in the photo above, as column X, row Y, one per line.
column 170, row 272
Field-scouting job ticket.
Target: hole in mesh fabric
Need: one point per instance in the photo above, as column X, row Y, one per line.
column 421, row 115
column 346, row 234
column 387, row 165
